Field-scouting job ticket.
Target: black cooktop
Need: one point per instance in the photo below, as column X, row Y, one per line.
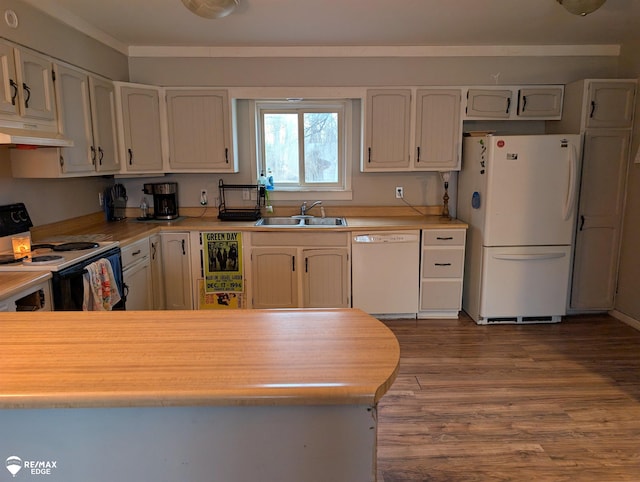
column 10, row 259
column 72, row 246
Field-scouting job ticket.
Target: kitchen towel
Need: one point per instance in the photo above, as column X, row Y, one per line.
column 100, row 287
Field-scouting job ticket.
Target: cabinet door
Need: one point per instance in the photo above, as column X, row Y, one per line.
column 35, row 80
column 275, row 281
column 72, row 89
column 157, row 273
column 543, row 102
column 138, row 282
column 599, row 219
column 8, row 82
column 177, row 271
column 387, row 133
column 325, row 278
column 141, row 128
column 199, row 133
column 103, row 120
column 610, row 104
column 437, row 129
column 494, row 104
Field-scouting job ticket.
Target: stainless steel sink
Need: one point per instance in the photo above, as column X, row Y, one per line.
column 325, row 221
column 301, row 221
column 279, row 221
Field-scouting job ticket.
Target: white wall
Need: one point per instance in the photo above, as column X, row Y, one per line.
column 50, row 200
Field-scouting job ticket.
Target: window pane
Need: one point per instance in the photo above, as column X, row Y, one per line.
column 281, row 146
column 321, row 147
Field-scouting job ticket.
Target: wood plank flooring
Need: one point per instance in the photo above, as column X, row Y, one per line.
column 533, row 403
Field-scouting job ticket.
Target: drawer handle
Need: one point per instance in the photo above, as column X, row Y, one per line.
column 442, row 264
column 136, row 253
column 444, row 238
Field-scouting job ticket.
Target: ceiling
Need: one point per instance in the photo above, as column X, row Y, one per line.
column 286, row 23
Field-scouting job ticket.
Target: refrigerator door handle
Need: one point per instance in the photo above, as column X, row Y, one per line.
column 528, row 257
column 573, row 185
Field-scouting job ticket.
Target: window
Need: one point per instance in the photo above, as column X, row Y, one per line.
column 303, row 144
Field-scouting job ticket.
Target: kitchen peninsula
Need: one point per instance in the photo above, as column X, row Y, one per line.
column 270, row 395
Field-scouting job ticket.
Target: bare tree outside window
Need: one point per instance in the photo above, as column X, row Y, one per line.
column 302, row 144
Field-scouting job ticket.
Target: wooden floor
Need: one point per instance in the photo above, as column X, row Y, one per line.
column 533, row 403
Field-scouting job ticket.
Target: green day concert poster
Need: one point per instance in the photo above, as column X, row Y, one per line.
column 222, row 262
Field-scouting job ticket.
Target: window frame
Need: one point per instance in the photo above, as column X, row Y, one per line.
column 343, row 107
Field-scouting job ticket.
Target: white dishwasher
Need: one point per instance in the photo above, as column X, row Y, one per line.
column 385, row 272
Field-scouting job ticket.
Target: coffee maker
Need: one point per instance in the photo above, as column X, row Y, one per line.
column 165, row 199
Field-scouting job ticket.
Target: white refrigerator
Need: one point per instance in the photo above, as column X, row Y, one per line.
column 518, row 193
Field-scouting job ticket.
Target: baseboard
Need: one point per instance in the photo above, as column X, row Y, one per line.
column 625, row 319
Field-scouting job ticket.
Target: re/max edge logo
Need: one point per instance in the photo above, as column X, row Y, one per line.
column 15, row 464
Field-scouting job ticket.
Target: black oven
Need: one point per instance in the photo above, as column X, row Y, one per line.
column 68, row 287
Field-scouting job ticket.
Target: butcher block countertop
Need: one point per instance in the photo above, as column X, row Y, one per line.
column 130, row 230
column 195, row 358
column 12, row 282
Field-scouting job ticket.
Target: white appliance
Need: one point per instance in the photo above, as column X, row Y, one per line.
column 385, row 273
column 518, row 195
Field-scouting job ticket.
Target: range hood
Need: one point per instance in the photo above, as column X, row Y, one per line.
column 28, row 137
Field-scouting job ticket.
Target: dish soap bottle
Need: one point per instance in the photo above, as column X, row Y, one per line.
column 270, row 179
column 262, row 180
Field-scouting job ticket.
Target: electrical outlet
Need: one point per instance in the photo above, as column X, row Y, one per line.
column 100, row 199
column 203, row 197
column 399, row 192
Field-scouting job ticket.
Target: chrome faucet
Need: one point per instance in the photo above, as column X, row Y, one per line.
column 304, row 208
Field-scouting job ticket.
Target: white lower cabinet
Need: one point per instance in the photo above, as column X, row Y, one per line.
column 176, row 265
column 441, row 273
column 136, row 275
column 300, row 270
column 157, row 273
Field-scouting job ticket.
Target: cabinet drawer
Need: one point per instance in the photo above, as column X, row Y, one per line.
column 442, row 295
column 442, row 263
column 134, row 252
column 443, row 237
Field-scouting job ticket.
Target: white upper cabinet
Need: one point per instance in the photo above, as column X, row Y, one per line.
column 610, row 104
column 387, row 130
column 26, row 92
column 140, row 128
column 492, row 104
column 437, row 129
column 537, row 102
column 540, row 102
column 72, row 88
column 86, row 115
column 199, row 126
column 403, row 134
column 104, row 122
column 8, row 82
column 87, row 110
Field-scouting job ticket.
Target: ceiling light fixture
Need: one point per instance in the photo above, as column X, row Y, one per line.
column 581, row 7
column 211, row 8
